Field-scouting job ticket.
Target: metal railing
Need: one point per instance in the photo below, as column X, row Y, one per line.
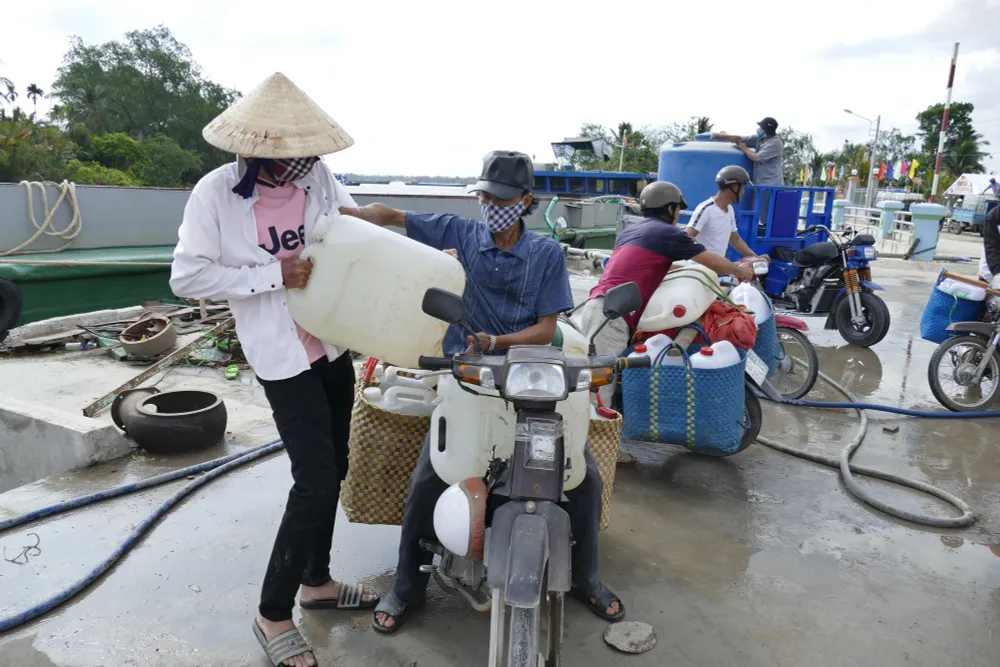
column 902, row 228
column 862, row 220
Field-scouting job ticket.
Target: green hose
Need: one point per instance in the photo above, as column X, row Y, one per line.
column 548, row 218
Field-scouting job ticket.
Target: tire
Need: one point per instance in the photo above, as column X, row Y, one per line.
column 10, row 306
column 809, row 372
column 934, row 373
column 522, row 649
column 877, row 320
column 756, row 417
column 174, row 422
column 955, row 227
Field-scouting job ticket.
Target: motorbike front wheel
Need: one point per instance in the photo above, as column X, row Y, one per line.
column 796, row 374
column 875, row 326
column 952, row 368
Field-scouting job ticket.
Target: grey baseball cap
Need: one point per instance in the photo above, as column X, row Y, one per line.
column 506, row 174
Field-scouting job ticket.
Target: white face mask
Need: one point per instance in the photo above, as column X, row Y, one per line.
column 501, row 218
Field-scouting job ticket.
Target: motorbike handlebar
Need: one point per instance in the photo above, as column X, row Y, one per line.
column 435, row 363
column 633, row 362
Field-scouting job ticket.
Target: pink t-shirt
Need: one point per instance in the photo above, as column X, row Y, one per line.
column 281, row 215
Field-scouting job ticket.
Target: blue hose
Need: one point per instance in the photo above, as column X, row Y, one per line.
column 213, row 468
column 926, row 414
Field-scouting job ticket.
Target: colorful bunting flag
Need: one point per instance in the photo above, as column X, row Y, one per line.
column 881, row 171
column 889, row 172
column 802, row 175
column 913, row 168
column 841, row 172
column 904, row 167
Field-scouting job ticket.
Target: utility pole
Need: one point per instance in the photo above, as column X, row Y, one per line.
column 944, row 125
column 874, row 170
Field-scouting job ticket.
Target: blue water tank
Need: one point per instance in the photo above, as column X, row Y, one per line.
column 692, row 166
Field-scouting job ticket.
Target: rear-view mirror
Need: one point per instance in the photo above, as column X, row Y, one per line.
column 444, row 306
column 621, row 300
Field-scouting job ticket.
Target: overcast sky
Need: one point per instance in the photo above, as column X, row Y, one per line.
column 429, row 87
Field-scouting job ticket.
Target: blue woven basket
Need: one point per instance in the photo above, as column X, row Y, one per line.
column 702, row 409
column 767, row 346
column 943, row 309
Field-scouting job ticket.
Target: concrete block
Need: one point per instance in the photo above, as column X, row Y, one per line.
column 37, row 441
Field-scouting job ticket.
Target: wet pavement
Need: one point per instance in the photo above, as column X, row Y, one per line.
column 758, row 559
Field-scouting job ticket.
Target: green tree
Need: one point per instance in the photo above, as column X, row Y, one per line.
column 167, row 164
column 118, row 151
column 642, row 151
column 798, row 152
column 144, row 85
column 34, row 92
column 959, row 125
column 699, row 125
column 32, row 151
column 93, row 173
column 965, row 156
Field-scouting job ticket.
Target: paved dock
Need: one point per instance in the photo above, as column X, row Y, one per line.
column 756, row 560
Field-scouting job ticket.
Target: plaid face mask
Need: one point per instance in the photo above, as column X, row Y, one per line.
column 501, row 218
column 286, row 171
column 282, row 171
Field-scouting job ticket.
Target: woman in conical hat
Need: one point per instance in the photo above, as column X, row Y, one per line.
column 244, row 227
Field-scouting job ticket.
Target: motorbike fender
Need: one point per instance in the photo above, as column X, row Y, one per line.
column 526, row 559
column 984, row 329
column 789, row 322
column 509, row 537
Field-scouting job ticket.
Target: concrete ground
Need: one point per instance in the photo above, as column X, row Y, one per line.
column 756, row 560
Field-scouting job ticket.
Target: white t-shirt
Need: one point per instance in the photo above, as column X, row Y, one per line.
column 714, row 226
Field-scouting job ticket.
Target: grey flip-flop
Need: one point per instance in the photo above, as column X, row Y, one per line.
column 352, row 597
column 395, row 608
column 286, row 645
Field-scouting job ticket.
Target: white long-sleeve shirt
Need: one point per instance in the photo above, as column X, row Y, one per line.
column 218, row 257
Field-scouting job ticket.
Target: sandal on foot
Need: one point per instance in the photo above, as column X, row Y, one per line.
column 395, row 608
column 351, row 598
column 286, row 645
column 604, row 598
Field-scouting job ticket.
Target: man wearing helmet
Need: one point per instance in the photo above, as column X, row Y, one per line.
column 713, row 221
column 643, row 254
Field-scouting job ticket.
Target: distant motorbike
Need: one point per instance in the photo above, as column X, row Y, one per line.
column 505, row 535
column 832, row 277
column 964, row 371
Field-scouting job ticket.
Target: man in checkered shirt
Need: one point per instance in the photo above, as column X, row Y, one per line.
column 517, row 286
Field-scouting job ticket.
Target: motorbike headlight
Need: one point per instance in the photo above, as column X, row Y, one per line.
column 870, row 252
column 535, row 381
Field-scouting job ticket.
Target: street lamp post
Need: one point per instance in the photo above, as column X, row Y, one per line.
column 872, row 154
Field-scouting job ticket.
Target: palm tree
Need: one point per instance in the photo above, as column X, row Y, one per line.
column 965, row 157
column 11, row 94
column 34, row 92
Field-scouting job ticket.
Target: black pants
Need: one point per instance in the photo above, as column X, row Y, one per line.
column 418, row 523
column 313, row 414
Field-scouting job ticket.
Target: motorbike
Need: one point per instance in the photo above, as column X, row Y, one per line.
column 504, row 538
column 832, row 277
column 798, row 370
column 964, row 371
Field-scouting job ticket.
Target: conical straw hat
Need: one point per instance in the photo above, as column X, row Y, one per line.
column 276, row 120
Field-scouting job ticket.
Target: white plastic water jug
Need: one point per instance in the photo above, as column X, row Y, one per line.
column 468, row 431
column 751, row 298
column 657, row 344
column 685, row 294
column 719, row 355
column 962, row 290
column 409, row 401
column 392, row 378
column 373, row 395
column 366, row 289
column 574, row 344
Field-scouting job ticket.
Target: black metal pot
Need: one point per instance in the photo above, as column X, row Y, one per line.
column 172, row 421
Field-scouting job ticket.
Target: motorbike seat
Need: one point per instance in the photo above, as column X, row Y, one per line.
column 863, row 239
column 816, row 254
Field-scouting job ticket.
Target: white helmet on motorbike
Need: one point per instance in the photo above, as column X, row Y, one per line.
column 460, row 518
